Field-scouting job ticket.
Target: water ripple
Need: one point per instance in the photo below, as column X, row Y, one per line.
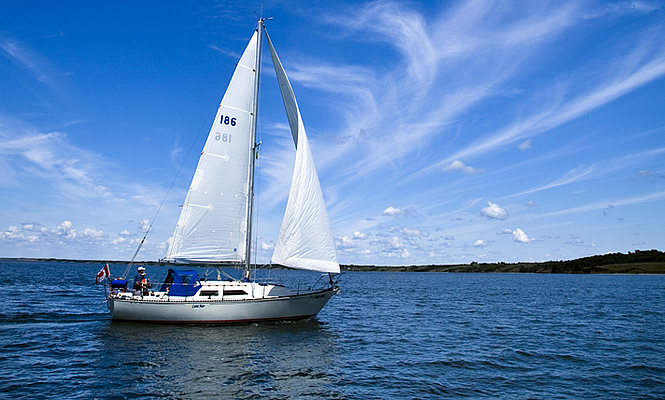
column 386, row 336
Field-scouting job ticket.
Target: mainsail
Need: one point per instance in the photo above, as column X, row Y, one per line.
column 305, row 238
column 213, row 222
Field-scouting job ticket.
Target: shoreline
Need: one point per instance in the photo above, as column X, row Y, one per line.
column 637, row 262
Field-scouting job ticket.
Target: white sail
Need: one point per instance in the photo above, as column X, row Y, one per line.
column 213, row 222
column 305, row 238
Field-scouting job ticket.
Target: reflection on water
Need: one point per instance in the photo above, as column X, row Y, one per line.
column 249, row 361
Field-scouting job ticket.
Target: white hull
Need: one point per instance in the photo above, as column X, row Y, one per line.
column 160, row 308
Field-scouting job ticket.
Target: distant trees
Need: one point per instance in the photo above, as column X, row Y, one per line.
column 594, row 263
column 639, row 261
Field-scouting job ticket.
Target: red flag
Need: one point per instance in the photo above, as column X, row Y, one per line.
column 103, row 273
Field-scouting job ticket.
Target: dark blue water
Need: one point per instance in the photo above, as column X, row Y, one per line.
column 386, row 336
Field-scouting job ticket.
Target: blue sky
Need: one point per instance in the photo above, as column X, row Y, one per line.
column 444, row 132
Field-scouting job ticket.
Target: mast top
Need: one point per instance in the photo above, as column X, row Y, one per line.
column 262, row 20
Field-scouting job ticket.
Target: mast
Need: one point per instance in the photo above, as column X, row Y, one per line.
column 252, row 157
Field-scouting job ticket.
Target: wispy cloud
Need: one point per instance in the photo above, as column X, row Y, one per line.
column 15, row 52
column 656, row 196
column 571, row 176
column 596, row 170
column 38, row 66
column 441, row 73
column 627, row 73
column 398, row 26
column 51, row 157
column 231, row 54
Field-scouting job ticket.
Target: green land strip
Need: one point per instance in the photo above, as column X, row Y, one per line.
column 533, row 268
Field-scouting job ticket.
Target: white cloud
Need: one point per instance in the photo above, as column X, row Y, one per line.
column 344, row 242
column 520, row 236
column 35, row 227
column 395, row 243
column 392, row 247
column 494, row 211
column 93, row 232
column 480, row 243
column 525, row 145
column 144, row 225
column 11, row 233
column 459, row 166
column 267, row 246
column 574, row 240
column 392, row 211
column 359, row 235
column 410, row 231
column 66, row 229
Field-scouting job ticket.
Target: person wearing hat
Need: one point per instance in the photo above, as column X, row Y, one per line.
column 141, row 283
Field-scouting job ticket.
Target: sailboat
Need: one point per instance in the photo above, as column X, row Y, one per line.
column 215, row 224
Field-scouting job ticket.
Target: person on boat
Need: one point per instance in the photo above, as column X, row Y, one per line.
column 141, row 283
column 168, row 282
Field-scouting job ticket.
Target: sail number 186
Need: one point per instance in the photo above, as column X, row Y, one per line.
column 226, row 120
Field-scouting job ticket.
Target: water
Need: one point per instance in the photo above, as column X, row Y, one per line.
column 386, row 336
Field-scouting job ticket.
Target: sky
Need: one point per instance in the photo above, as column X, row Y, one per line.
column 444, row 132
